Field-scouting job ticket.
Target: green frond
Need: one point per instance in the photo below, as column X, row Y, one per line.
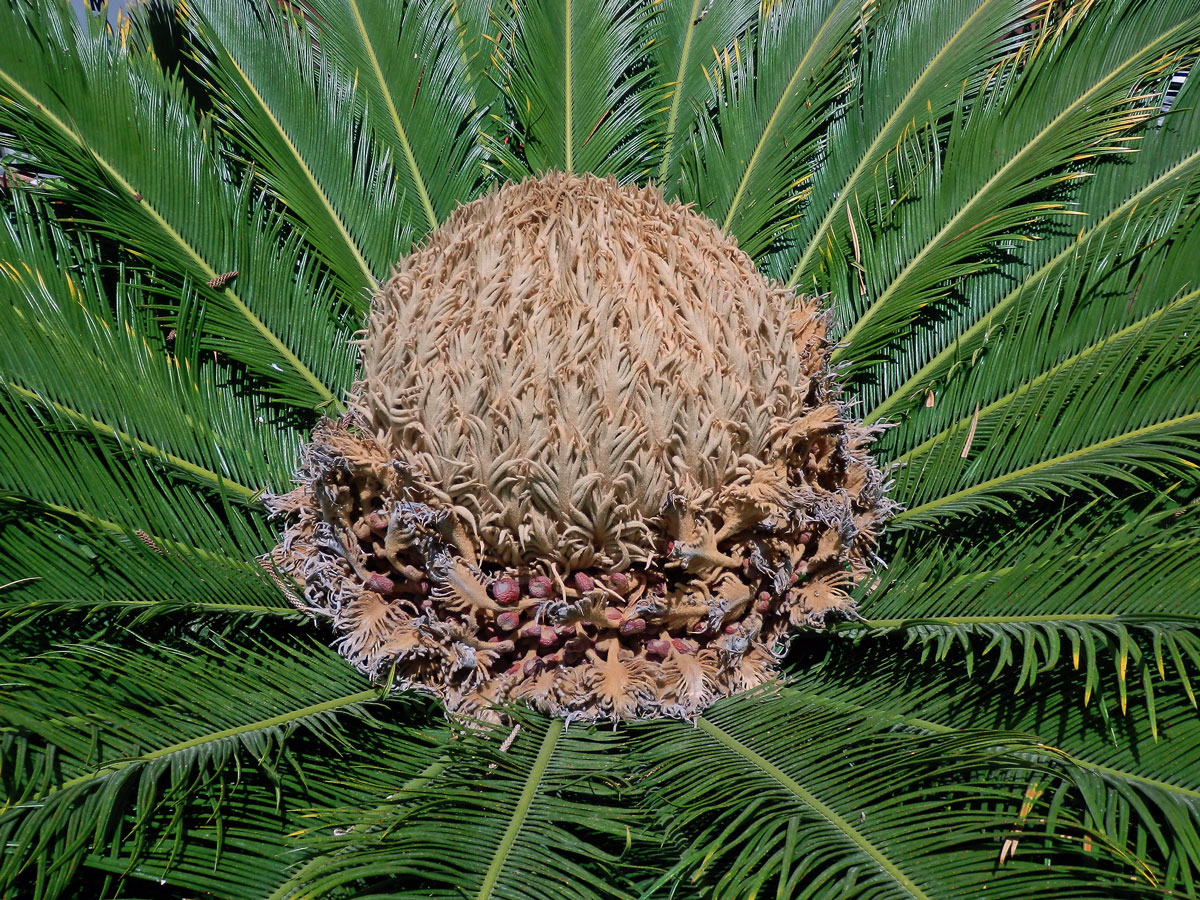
column 95, row 530
column 911, row 72
column 133, row 154
column 300, row 122
column 1009, row 158
column 770, row 98
column 1046, row 597
column 551, row 815
column 798, row 801
column 691, row 37
column 576, row 81
column 1125, row 779
column 57, row 320
column 1145, row 422
column 166, row 727
column 1134, row 205
column 1054, row 432
column 419, row 70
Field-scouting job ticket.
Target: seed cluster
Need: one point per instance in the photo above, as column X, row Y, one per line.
column 596, row 464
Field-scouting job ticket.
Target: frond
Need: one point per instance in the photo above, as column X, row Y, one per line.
column 550, row 819
column 1009, row 158
column 57, row 320
column 689, row 36
column 1056, row 432
column 292, row 112
column 1043, row 596
column 577, row 85
column 86, row 529
column 128, row 736
column 914, row 65
column 420, row 69
column 1133, row 204
column 1123, row 779
column 769, row 99
column 775, row 794
column 134, row 156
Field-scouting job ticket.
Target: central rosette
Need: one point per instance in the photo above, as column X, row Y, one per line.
column 596, row 463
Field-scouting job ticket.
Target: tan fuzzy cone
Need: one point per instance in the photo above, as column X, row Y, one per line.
column 596, row 463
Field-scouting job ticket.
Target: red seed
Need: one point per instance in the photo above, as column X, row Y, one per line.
column 613, row 615
column 506, row 591
column 764, row 602
column 633, row 626
column 377, row 521
column 514, row 668
column 548, row 638
column 531, row 630
column 584, row 582
column 731, row 628
column 683, row 646
column 699, row 628
column 551, row 659
column 507, row 621
column 540, row 587
column 619, row 582
column 381, row 584
column 577, row 645
column 658, row 648
column 532, row 666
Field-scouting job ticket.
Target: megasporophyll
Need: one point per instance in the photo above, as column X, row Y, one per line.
column 595, row 462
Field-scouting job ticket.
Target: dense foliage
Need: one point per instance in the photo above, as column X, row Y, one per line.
column 1004, row 217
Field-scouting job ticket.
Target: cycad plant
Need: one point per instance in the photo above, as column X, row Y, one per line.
column 994, row 200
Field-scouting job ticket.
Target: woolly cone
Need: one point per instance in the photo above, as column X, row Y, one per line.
column 596, row 462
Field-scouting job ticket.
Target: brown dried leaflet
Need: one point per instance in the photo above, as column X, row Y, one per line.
column 596, row 463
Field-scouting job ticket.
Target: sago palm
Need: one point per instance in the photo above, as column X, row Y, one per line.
column 598, row 561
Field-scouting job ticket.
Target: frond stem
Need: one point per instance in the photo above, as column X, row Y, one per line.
column 567, row 92
column 255, row 609
column 954, row 621
column 125, row 531
column 1166, row 548
column 673, row 115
